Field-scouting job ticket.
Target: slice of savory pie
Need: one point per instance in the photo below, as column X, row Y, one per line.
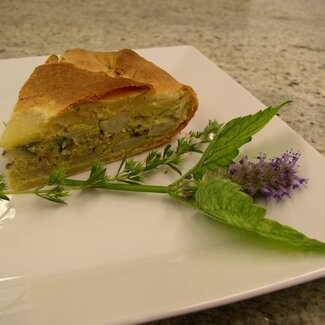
column 87, row 106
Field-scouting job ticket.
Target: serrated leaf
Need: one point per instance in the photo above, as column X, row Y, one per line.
column 225, row 147
column 222, row 200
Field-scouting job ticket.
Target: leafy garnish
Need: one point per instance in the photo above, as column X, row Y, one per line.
column 208, row 186
column 55, row 194
column 222, row 151
column 213, row 128
column 222, row 200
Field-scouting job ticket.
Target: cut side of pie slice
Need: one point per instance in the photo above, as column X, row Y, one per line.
column 85, row 106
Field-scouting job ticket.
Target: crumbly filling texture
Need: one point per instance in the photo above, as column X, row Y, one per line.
column 103, row 131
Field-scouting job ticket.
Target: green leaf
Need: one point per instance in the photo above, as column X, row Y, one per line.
column 225, row 147
column 97, row 175
column 55, row 194
column 222, row 200
column 212, row 128
column 56, row 177
column 121, row 165
column 54, row 199
column 186, row 145
column 167, row 152
column 177, row 170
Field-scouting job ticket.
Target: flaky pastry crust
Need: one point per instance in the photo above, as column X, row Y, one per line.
column 80, row 76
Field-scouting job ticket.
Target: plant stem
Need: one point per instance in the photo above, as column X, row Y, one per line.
column 13, row 192
column 107, row 186
column 132, row 187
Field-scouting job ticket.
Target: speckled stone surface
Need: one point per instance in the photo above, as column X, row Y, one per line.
column 275, row 49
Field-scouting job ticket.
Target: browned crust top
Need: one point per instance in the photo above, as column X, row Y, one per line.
column 124, row 63
column 58, row 86
column 81, row 75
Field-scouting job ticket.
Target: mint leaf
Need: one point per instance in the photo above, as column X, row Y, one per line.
column 225, row 147
column 222, row 200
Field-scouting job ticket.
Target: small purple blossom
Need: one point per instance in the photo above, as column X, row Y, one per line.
column 233, row 169
column 273, row 178
column 265, row 191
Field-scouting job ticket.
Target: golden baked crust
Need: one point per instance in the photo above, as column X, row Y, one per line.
column 80, row 76
column 124, row 63
column 61, row 86
column 101, row 105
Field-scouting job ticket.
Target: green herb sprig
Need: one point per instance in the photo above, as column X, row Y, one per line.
column 217, row 197
column 130, row 174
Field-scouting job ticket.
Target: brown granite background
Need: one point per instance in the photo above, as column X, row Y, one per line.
column 275, row 49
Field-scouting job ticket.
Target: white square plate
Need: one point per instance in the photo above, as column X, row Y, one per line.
column 112, row 258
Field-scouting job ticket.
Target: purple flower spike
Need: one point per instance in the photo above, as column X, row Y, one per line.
column 271, row 178
column 294, row 159
column 299, row 179
column 286, row 174
column 277, row 196
column 233, row 169
column 266, row 192
column 244, row 161
column 261, row 158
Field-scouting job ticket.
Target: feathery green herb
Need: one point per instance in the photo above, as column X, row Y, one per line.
column 200, row 188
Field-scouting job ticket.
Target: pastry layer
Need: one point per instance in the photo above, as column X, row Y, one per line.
column 105, row 130
column 87, row 106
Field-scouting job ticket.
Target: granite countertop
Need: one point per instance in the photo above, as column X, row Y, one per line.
column 275, row 49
